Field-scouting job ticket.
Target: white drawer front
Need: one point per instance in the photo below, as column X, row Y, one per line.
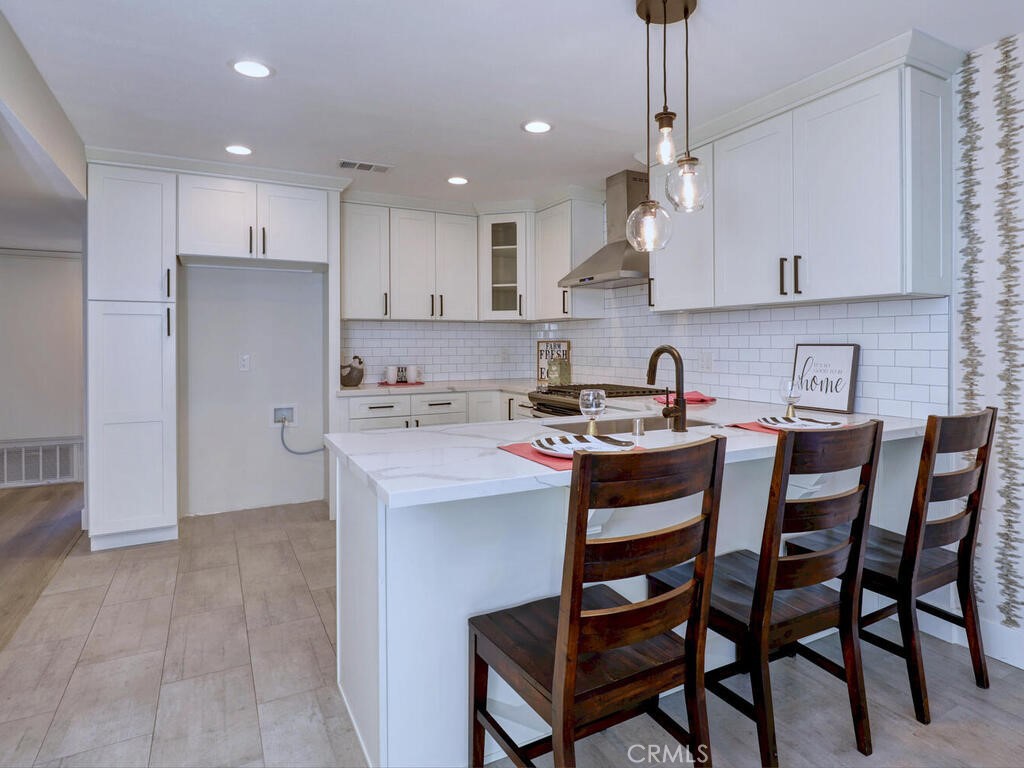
column 434, row 419
column 448, row 402
column 386, row 422
column 373, row 407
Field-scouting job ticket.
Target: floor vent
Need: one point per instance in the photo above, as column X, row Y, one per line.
column 38, row 462
column 357, row 165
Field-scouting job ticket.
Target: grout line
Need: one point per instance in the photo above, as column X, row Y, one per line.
column 248, row 643
column 163, row 658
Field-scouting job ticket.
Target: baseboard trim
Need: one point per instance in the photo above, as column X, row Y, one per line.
column 103, row 541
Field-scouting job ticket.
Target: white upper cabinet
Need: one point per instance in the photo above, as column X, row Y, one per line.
column 565, row 235
column 216, row 217
column 456, row 265
column 683, row 272
column 130, row 254
column 413, row 294
column 242, row 219
column 753, row 214
column 503, row 254
column 365, row 269
column 293, row 223
column 847, row 196
column 846, row 175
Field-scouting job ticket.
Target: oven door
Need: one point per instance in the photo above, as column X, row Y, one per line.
column 543, row 410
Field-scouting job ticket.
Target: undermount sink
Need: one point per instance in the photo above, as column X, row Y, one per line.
column 620, row 426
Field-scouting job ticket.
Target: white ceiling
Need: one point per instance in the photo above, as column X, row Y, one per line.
column 438, row 87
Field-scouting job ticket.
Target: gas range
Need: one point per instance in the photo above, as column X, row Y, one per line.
column 563, row 399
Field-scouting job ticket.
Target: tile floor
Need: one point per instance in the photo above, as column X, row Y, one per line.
column 214, row 650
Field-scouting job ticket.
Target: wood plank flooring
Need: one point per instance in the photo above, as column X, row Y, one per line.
column 218, row 650
column 38, row 526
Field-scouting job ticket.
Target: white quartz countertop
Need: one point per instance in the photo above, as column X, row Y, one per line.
column 518, row 386
column 408, row 467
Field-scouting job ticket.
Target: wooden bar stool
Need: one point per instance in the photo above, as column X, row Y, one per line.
column 765, row 603
column 905, row 567
column 589, row 658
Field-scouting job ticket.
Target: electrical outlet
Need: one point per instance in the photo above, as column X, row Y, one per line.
column 706, row 361
column 244, row 362
column 285, row 412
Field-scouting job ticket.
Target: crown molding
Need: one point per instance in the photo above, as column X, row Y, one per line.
column 214, row 168
column 410, row 202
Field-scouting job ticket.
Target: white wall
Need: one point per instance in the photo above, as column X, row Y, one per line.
column 233, row 453
column 41, row 361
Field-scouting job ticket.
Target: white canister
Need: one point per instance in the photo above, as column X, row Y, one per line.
column 412, row 373
column 391, row 374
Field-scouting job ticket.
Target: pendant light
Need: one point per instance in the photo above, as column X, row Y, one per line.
column 649, row 226
column 686, row 185
column 666, row 151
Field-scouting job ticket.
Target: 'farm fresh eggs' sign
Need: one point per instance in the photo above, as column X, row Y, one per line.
column 827, row 374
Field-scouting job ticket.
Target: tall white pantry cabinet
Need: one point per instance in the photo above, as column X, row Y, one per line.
column 131, row 461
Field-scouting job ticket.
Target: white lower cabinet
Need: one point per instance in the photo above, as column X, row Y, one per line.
column 516, row 406
column 483, row 406
column 131, row 458
column 405, row 411
column 381, row 422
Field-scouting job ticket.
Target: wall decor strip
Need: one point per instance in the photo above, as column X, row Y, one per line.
column 970, row 253
column 1008, row 220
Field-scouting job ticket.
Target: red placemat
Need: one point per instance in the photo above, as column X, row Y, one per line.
column 692, row 398
column 527, row 451
column 401, row 384
column 753, row 426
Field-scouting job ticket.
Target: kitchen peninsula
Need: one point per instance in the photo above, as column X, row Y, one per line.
column 437, row 524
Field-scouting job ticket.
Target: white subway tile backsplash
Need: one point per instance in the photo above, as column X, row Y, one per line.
column 904, row 347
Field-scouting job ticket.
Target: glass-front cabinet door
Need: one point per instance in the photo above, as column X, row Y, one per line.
column 503, row 242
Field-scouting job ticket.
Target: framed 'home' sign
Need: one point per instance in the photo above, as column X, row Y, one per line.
column 828, row 376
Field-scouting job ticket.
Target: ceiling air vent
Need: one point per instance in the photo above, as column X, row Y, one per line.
column 357, row 165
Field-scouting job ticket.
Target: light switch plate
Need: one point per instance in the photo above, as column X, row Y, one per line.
column 244, row 362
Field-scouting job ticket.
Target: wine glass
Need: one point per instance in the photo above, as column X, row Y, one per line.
column 592, row 403
column 790, row 391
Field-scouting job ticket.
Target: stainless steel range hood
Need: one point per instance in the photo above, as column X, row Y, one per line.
column 616, row 264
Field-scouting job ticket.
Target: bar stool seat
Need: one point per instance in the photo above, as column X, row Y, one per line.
column 732, row 595
column 525, row 635
column 883, row 557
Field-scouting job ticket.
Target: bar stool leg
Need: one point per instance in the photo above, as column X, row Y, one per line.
column 969, row 608
column 477, row 701
column 849, row 636
column 907, row 610
column 761, row 687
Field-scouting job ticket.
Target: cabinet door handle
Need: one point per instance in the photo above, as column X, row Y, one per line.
column 782, row 276
column 442, row 305
column 431, row 405
column 378, row 407
column 385, row 303
column 510, row 401
column 168, row 322
column 796, row 273
column 168, row 283
column 264, row 232
column 520, row 305
column 406, row 423
column 431, row 305
column 650, row 291
column 565, row 298
column 250, row 239
column 417, row 422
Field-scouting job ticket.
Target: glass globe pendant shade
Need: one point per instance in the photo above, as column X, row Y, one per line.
column 648, row 227
column 686, row 186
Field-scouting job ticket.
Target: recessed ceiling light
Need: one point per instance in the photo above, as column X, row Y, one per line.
column 238, row 149
column 458, row 180
column 536, row 126
column 251, row 68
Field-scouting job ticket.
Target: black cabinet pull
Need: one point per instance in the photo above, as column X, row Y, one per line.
column 168, row 322
column 431, row 405
column 417, row 422
column 264, row 240
column 168, row 283
column 565, row 297
column 510, row 401
column 431, row 305
column 250, row 239
column 378, row 407
column 385, row 303
column 406, row 423
column 782, row 276
column 442, row 305
column 650, row 291
column 520, row 305
column 796, row 273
